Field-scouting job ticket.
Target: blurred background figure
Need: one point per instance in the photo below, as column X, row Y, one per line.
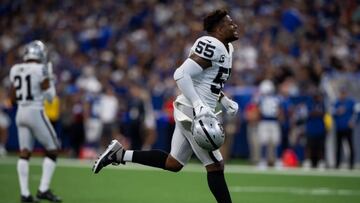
column 4, row 122
column 345, row 118
column 92, row 123
column 252, row 117
column 140, row 121
column 88, row 80
column 73, row 121
column 150, row 134
column 315, row 130
column 269, row 132
column 109, row 114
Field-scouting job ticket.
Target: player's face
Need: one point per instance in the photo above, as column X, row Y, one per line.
column 229, row 30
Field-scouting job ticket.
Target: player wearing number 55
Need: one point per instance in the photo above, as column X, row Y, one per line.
column 201, row 79
column 32, row 82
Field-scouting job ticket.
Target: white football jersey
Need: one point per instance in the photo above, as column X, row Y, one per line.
column 26, row 79
column 211, row 81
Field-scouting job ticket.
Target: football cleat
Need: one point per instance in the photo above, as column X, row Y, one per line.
column 28, row 199
column 112, row 155
column 48, row 195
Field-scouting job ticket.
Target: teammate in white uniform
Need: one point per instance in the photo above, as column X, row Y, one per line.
column 32, row 83
column 200, row 78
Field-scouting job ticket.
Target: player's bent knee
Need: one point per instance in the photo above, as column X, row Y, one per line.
column 218, row 166
column 25, row 154
column 52, row 154
column 172, row 164
column 176, row 168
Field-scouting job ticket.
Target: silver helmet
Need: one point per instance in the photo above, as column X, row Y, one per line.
column 208, row 132
column 35, row 50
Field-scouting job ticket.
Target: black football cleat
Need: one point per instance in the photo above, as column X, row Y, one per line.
column 112, row 155
column 28, row 199
column 48, row 195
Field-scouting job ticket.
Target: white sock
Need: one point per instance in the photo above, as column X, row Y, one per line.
column 48, row 169
column 128, row 155
column 23, row 173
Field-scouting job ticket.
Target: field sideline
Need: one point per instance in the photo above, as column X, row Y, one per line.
column 132, row 183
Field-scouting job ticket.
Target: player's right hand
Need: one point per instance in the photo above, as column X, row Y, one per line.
column 201, row 109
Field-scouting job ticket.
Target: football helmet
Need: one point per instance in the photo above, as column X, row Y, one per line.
column 35, row 50
column 208, row 132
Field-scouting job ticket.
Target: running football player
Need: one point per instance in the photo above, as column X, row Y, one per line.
column 201, row 79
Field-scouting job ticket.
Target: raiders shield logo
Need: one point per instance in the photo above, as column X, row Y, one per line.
column 222, row 59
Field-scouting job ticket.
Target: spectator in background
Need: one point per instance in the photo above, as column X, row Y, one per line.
column 287, row 90
column 269, row 131
column 150, row 134
column 92, row 123
column 73, row 121
column 252, row 118
column 4, row 122
column 315, row 130
column 90, row 84
column 344, row 116
column 88, row 80
column 134, row 125
column 109, row 111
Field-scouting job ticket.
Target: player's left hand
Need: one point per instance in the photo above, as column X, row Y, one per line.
column 230, row 106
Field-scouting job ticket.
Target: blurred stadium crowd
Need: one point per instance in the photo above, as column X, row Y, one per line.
column 114, row 62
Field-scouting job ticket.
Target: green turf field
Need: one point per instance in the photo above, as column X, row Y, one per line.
column 75, row 183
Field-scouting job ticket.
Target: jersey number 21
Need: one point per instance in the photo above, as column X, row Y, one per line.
column 19, row 82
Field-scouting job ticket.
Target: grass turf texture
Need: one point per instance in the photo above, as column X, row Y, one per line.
column 75, row 183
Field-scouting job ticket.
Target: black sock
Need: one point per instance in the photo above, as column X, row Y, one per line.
column 154, row 158
column 218, row 187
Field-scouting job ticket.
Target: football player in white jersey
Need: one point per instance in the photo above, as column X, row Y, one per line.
column 32, row 83
column 200, row 78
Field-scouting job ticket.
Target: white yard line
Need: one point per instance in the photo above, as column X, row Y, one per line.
column 323, row 191
column 197, row 168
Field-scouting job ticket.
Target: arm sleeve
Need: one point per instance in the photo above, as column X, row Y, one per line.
column 183, row 79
